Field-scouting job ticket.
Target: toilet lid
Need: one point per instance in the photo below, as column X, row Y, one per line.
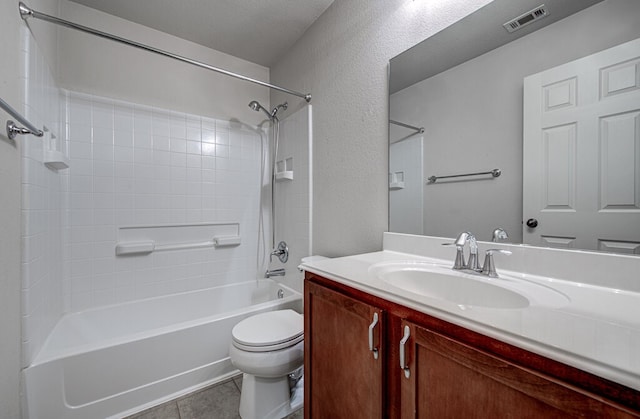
column 273, row 328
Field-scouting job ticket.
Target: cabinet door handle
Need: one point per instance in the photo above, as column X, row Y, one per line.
column 403, row 341
column 371, row 327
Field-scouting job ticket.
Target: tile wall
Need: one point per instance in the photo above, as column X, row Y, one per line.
column 43, row 204
column 130, row 165
column 134, row 165
column 293, row 196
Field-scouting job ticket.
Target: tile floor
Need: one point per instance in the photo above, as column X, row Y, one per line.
column 219, row 401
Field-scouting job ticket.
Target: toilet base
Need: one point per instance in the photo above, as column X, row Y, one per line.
column 267, row 398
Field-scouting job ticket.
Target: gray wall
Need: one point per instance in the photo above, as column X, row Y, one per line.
column 342, row 60
column 473, row 118
column 9, row 220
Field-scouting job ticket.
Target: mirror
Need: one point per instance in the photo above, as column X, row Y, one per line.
column 464, row 87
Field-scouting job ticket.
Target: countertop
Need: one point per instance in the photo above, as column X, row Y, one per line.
column 596, row 328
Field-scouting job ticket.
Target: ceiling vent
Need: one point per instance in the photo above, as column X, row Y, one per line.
column 526, row 18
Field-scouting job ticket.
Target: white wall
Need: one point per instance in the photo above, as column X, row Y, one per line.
column 473, row 119
column 342, row 60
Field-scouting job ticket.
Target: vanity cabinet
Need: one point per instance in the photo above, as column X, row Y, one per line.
column 448, row 379
column 449, row 371
column 346, row 365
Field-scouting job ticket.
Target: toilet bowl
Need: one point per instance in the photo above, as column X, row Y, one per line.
column 267, row 348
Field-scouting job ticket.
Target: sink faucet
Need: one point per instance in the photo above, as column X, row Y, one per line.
column 488, row 268
column 459, row 243
column 500, row 235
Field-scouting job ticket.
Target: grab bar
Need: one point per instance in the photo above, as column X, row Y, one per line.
column 13, row 129
column 494, row 173
column 150, row 246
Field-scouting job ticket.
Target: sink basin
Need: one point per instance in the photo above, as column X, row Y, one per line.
column 465, row 289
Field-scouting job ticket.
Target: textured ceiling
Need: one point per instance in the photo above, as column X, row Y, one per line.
column 260, row 31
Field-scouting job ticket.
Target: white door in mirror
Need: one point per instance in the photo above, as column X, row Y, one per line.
column 579, row 116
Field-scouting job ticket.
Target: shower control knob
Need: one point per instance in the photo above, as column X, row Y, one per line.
column 532, row 223
column 282, row 252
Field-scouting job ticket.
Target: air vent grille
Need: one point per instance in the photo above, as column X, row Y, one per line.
column 526, row 18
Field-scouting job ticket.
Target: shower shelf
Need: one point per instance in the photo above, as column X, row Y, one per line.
column 55, row 160
column 285, row 175
column 284, row 169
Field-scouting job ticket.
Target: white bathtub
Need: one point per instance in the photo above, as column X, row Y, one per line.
column 121, row 359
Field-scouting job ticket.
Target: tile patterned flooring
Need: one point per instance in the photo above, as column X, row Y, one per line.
column 219, row 401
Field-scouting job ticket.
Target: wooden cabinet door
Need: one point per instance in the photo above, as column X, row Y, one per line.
column 449, row 379
column 343, row 377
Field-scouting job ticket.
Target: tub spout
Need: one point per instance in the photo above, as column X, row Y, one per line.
column 274, row 272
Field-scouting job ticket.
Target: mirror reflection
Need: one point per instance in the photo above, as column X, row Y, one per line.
column 552, row 107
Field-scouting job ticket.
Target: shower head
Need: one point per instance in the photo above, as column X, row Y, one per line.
column 275, row 110
column 254, row 105
column 258, row 107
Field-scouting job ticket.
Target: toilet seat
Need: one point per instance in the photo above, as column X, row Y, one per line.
column 270, row 331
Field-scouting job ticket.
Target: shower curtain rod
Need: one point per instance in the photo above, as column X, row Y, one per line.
column 26, row 12
column 402, row 124
column 13, row 129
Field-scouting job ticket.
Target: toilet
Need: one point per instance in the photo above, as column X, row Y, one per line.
column 267, row 348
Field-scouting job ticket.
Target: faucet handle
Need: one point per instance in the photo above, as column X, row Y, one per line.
column 489, row 268
column 282, row 252
column 500, row 235
column 459, row 263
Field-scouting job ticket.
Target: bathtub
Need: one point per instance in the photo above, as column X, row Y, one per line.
column 118, row 360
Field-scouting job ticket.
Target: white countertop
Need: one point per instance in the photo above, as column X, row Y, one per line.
column 597, row 330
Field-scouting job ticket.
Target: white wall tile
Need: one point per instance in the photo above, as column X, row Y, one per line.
column 102, row 114
column 102, row 135
column 81, row 150
column 123, row 138
column 143, row 140
column 293, row 218
column 80, row 111
column 42, row 205
column 123, row 119
column 132, row 165
column 142, row 121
